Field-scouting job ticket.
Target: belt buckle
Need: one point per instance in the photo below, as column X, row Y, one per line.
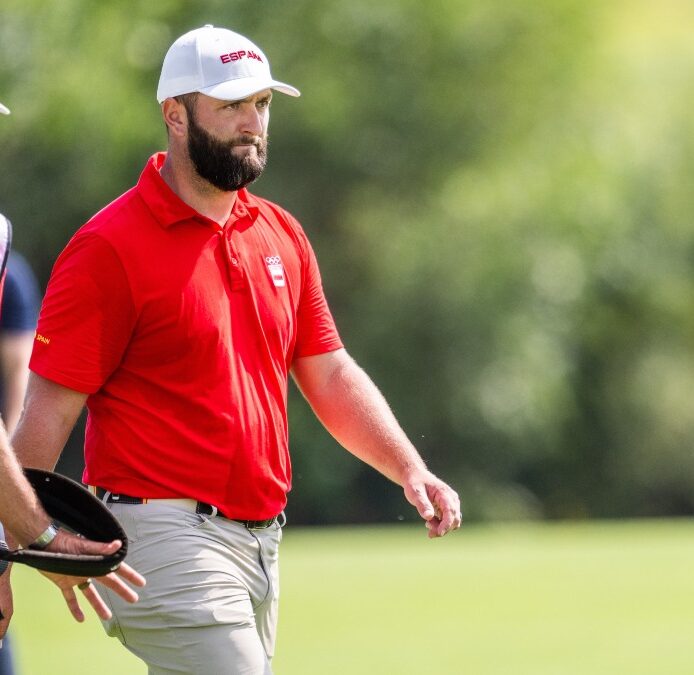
column 255, row 525
column 259, row 524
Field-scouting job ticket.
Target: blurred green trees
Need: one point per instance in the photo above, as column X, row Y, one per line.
column 499, row 195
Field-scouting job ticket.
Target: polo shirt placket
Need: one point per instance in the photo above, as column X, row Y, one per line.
column 235, row 270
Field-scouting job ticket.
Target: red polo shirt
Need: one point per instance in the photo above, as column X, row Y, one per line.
column 182, row 332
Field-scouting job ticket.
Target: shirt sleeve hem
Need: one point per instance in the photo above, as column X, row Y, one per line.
column 63, row 380
column 321, row 348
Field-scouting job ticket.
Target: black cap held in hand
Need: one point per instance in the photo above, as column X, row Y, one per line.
column 80, row 511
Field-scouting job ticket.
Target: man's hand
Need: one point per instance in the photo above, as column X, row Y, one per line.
column 437, row 503
column 5, row 603
column 70, row 543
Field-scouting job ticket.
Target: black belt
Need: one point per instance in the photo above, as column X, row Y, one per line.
column 201, row 507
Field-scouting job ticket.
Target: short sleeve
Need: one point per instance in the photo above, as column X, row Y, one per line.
column 316, row 330
column 86, row 318
column 21, row 297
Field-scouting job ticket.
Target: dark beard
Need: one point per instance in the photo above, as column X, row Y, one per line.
column 215, row 161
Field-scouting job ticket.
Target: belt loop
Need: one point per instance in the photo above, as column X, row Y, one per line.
column 107, row 494
column 215, row 510
column 282, row 519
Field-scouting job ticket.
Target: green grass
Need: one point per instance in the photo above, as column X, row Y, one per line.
column 535, row 599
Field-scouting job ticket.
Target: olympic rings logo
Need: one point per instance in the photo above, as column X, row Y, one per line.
column 273, row 260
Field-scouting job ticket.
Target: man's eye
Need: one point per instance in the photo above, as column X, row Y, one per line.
column 264, row 104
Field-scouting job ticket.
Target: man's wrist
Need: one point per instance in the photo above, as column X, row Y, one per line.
column 45, row 538
column 413, row 471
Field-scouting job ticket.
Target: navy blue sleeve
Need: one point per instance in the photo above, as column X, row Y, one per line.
column 21, row 297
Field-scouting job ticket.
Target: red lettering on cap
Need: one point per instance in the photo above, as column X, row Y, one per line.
column 241, row 54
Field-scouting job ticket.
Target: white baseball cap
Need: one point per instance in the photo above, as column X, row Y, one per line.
column 4, row 110
column 219, row 63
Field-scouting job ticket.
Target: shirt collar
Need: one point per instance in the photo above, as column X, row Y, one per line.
column 168, row 208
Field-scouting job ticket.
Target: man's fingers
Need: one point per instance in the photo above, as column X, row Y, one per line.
column 444, row 512
column 72, row 604
column 114, row 583
column 433, row 528
column 95, row 600
column 437, row 503
column 89, row 547
column 451, row 519
column 448, row 505
column 130, row 575
column 69, row 543
column 66, row 542
column 417, row 496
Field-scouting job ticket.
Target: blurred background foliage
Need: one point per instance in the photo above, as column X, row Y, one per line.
column 500, row 197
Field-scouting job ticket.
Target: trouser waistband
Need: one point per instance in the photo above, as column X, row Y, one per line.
column 190, row 504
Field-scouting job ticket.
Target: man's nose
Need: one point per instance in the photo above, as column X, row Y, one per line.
column 252, row 122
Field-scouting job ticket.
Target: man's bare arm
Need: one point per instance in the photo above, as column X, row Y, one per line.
column 354, row 411
column 50, row 413
column 20, row 510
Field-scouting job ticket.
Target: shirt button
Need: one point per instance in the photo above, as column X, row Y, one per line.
column 234, row 261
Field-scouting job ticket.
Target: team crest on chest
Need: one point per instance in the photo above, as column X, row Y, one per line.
column 276, row 269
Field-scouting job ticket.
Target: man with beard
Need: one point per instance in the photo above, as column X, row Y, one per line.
column 176, row 314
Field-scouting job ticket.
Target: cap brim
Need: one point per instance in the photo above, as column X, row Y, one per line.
column 235, row 90
column 4, row 109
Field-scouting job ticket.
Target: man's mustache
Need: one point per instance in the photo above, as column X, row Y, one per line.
column 258, row 141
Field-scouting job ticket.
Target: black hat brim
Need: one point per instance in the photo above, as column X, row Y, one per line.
column 78, row 510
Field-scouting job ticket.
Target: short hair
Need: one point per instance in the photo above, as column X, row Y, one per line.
column 189, row 101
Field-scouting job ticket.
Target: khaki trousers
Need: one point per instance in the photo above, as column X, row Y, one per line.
column 211, row 599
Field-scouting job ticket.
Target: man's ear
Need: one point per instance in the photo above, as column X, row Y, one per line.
column 175, row 117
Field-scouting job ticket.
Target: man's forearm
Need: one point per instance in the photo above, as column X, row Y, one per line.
column 20, row 509
column 354, row 411
column 49, row 415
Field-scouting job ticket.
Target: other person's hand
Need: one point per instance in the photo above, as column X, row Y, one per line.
column 115, row 581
